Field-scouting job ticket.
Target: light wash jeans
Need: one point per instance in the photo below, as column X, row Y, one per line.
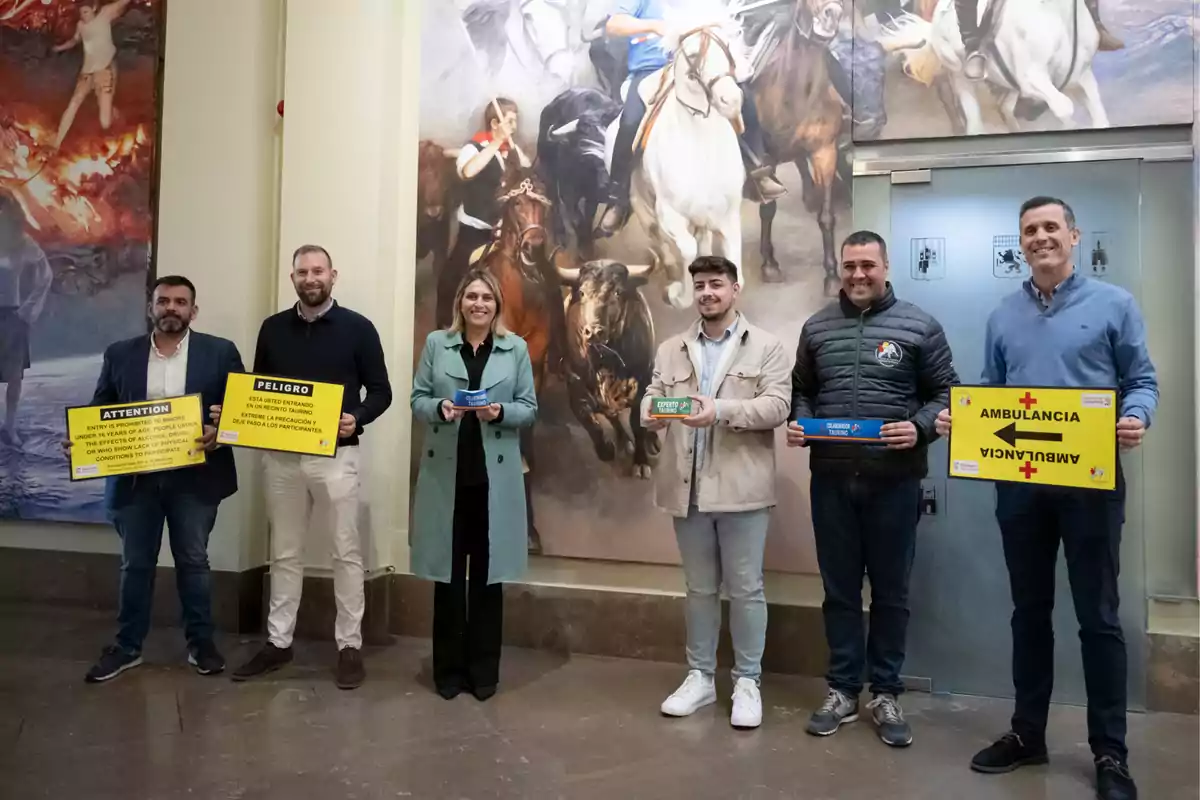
column 724, row 548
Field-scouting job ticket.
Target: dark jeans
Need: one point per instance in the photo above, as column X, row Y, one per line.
column 865, row 524
column 468, row 615
column 1033, row 520
column 157, row 499
column 631, row 120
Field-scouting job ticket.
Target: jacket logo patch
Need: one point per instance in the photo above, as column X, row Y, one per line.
column 889, row 354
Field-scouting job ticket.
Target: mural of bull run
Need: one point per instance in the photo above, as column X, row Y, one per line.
column 743, row 150
column 965, row 67
column 79, row 122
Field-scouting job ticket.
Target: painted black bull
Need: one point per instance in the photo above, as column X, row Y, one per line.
column 571, row 162
column 610, row 355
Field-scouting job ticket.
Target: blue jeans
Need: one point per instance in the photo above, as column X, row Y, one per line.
column 157, row 499
column 1033, row 520
column 865, row 524
column 724, row 548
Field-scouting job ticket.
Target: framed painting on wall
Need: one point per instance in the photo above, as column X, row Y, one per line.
column 943, row 68
column 540, row 199
column 80, row 111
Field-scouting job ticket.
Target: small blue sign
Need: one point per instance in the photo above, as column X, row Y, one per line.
column 841, row 430
column 467, row 398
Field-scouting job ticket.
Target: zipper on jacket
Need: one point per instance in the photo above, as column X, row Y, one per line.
column 862, row 320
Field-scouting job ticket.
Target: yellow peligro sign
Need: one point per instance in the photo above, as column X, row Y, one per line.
column 282, row 414
column 134, row 438
column 1056, row 437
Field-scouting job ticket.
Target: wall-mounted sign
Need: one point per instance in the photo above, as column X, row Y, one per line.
column 1097, row 249
column 1007, row 259
column 928, row 259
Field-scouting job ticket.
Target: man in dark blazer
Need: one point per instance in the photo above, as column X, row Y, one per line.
column 170, row 362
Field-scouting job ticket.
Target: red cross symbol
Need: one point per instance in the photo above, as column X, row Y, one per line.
column 1028, row 469
column 1027, row 401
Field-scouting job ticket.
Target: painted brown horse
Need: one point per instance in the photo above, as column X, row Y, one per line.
column 803, row 117
column 519, row 257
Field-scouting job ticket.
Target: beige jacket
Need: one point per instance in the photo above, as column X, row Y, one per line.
column 753, row 398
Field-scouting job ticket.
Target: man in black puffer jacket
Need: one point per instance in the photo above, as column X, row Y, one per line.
column 868, row 356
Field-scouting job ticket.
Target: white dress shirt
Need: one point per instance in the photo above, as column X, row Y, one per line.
column 166, row 376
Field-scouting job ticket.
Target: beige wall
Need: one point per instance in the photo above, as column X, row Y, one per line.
column 341, row 188
column 216, row 219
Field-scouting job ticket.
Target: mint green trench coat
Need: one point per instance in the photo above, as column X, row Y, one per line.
column 508, row 379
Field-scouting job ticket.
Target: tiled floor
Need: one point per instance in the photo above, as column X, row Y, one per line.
column 560, row 728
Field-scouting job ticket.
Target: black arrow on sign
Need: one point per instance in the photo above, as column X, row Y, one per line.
column 1009, row 435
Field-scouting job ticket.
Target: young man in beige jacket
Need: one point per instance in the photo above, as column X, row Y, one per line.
column 716, row 477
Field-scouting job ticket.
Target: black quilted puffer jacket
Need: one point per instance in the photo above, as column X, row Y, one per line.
column 890, row 362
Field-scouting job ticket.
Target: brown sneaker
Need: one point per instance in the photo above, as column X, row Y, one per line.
column 350, row 670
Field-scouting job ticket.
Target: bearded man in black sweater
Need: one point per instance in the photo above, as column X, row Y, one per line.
column 319, row 340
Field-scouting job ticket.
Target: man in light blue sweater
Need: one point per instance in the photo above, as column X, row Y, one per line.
column 1063, row 329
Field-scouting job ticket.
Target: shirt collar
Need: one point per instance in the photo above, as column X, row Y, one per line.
column 1046, row 299
column 485, row 344
column 329, row 305
column 183, row 343
column 730, row 332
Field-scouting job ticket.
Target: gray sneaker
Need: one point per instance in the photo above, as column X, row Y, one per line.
column 837, row 710
column 889, row 718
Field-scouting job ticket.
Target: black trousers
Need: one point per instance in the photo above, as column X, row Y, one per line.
column 1033, row 520
column 468, row 612
column 865, row 525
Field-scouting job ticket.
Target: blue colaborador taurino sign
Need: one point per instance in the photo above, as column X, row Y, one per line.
column 841, row 430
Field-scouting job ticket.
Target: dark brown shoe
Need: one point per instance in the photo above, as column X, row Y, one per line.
column 350, row 670
column 268, row 659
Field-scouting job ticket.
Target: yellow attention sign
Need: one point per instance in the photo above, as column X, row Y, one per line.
column 1056, row 437
column 134, row 438
column 285, row 415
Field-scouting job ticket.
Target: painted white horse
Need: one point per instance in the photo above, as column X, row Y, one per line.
column 687, row 189
column 1041, row 50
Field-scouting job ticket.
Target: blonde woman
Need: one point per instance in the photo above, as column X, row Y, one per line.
column 469, row 520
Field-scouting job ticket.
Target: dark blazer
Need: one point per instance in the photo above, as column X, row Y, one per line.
column 123, row 380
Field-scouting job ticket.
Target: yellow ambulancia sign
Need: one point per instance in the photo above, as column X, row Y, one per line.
column 1056, row 437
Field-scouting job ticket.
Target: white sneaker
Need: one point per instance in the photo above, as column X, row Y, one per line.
column 747, row 704
column 696, row 692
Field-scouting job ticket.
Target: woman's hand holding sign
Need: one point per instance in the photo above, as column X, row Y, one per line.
column 449, row 412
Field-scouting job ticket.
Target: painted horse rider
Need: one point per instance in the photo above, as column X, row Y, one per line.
column 972, row 36
column 642, row 22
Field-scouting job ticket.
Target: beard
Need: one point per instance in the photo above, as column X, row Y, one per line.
column 314, row 297
column 170, row 323
column 715, row 311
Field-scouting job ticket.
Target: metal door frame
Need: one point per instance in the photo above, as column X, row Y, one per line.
column 902, row 163
column 916, row 167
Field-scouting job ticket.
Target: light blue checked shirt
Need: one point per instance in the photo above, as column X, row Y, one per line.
column 712, row 352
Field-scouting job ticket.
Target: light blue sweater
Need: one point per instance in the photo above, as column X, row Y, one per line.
column 1091, row 336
